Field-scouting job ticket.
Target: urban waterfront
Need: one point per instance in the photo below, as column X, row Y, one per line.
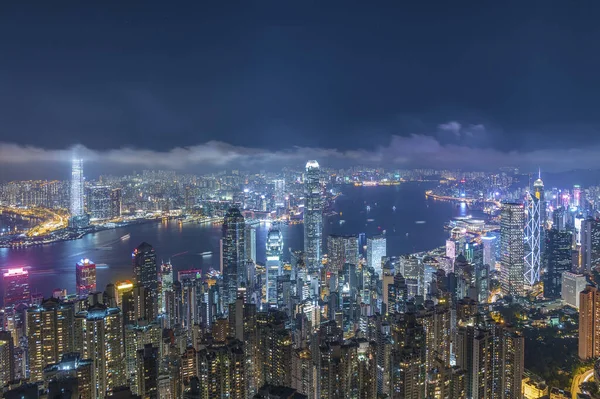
column 415, row 225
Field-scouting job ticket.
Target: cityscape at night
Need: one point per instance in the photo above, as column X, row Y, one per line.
column 293, row 201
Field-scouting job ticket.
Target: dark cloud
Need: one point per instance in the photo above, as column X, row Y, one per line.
column 417, row 150
column 276, row 80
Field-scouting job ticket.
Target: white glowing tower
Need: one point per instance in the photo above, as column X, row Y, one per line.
column 533, row 233
column 77, row 188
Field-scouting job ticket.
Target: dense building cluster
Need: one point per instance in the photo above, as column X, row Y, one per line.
column 340, row 319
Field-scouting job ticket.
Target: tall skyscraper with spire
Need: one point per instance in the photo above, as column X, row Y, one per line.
column 77, row 188
column 533, row 233
column 313, row 216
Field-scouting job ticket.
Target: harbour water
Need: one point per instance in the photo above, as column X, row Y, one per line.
column 411, row 223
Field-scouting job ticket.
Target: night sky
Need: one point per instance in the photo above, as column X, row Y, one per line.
column 193, row 85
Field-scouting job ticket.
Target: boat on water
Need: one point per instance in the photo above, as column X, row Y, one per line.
column 125, row 237
column 370, row 220
column 420, row 222
column 207, row 253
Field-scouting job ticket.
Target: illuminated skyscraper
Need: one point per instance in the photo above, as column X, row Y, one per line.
column 313, row 216
column 558, row 260
column 85, row 277
column 489, row 251
column 234, row 253
column 576, row 196
column 538, row 190
column 16, row 287
column 115, row 203
column 279, row 188
column 590, row 244
column 144, row 266
column 376, row 250
column 512, row 249
column 99, row 202
column 166, row 285
column 274, row 250
column 533, row 231
column 77, row 188
column 250, row 240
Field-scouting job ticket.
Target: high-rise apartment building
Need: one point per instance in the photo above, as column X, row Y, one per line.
column 589, row 323
column 7, row 358
column 71, row 374
column 222, row 371
column 493, row 360
column 85, row 277
column 341, row 249
column 313, row 216
column 512, row 221
column 304, row 373
column 234, row 253
column 103, row 344
column 136, row 338
column 148, row 363
column 50, row 335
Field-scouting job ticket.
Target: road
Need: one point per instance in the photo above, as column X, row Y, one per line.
column 578, row 379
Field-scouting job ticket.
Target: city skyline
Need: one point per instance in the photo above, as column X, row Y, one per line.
column 269, row 200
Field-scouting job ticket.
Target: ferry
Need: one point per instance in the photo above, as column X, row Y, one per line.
column 207, row 253
column 125, row 237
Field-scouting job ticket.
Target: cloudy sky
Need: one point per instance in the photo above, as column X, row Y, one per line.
column 466, row 84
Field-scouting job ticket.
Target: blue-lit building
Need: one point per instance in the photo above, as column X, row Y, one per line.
column 273, row 266
column 234, row 253
column 313, row 216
